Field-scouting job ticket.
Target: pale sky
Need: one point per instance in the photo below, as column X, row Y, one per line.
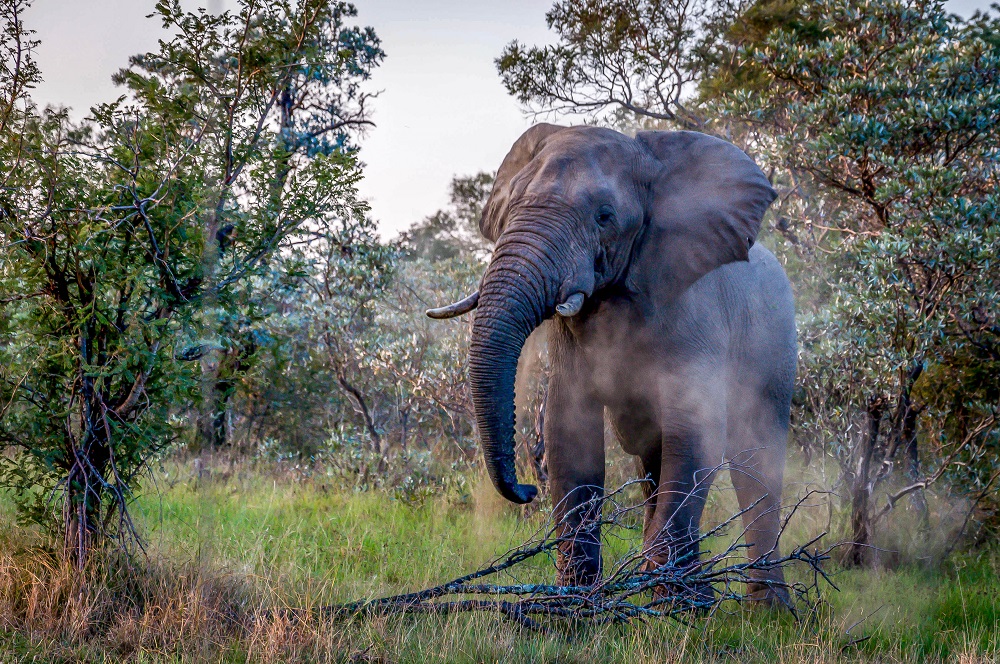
column 442, row 110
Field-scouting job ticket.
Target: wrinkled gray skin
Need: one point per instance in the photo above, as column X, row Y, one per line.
column 685, row 340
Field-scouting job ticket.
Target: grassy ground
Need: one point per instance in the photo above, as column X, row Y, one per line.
column 225, row 544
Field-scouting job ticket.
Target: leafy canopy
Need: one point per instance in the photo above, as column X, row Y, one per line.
column 119, row 232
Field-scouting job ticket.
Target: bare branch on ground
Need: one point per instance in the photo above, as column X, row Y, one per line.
column 626, row 593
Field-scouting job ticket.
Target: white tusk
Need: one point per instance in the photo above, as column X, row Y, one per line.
column 456, row 309
column 571, row 306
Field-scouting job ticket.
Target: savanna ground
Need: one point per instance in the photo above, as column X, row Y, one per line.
column 227, row 540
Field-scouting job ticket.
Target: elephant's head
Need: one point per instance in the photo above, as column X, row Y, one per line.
column 578, row 211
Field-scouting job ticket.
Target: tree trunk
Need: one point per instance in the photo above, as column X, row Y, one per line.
column 88, row 456
column 220, row 381
column 537, row 451
column 909, row 434
column 220, row 412
column 83, row 511
column 79, row 529
column 211, row 363
column 85, row 484
column 404, row 416
column 858, row 552
column 359, row 400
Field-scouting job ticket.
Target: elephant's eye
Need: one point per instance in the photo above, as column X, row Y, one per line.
column 605, row 215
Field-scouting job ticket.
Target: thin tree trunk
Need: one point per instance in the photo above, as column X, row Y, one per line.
column 538, row 461
column 908, row 437
column 84, row 500
column 903, row 422
column 404, row 416
column 220, row 412
column 858, row 553
column 213, row 432
column 918, row 501
column 359, row 399
column 905, row 437
column 79, row 528
column 211, row 363
column 88, row 458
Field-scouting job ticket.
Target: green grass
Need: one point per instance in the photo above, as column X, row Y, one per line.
column 245, row 539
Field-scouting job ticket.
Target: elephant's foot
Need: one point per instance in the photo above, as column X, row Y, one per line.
column 698, row 596
column 769, row 594
column 578, row 571
column 579, row 558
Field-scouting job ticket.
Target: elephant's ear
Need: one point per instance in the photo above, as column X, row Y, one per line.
column 706, row 206
column 494, row 218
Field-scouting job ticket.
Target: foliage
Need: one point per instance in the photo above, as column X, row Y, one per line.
column 889, row 109
column 126, row 233
column 639, row 56
column 352, row 356
column 364, row 362
column 290, row 395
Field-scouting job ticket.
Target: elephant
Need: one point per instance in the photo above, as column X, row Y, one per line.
column 666, row 318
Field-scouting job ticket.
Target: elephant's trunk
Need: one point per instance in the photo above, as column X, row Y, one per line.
column 517, row 294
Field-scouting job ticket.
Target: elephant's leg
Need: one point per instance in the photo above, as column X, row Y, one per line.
column 574, row 441
column 693, row 443
column 671, row 535
column 648, row 466
column 757, row 462
column 640, row 436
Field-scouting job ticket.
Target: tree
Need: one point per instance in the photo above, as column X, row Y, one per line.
column 122, row 233
column 641, row 57
column 890, row 110
column 321, row 111
column 357, row 325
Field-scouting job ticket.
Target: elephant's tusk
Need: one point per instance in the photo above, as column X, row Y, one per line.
column 571, row 306
column 456, row 309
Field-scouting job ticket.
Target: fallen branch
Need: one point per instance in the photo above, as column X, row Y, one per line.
column 695, row 584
